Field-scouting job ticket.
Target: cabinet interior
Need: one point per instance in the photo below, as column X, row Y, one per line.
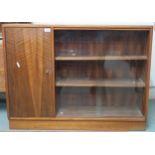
column 100, row 73
column 100, row 43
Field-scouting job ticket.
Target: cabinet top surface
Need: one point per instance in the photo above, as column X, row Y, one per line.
column 85, row 27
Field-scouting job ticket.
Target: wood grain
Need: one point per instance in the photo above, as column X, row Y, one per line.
column 84, row 58
column 85, row 27
column 100, row 83
column 100, row 43
column 104, row 73
column 2, row 71
column 29, row 69
column 77, row 125
column 106, row 27
column 132, row 119
column 2, row 74
column 148, row 69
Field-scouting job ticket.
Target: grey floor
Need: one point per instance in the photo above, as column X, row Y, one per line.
column 151, row 117
column 4, row 124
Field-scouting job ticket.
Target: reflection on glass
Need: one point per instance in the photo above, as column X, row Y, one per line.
column 112, row 87
column 99, row 102
column 99, row 88
column 99, row 42
column 100, row 70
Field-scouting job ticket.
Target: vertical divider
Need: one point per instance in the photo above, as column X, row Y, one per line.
column 53, row 71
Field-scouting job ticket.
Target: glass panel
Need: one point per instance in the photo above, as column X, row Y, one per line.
column 90, row 85
column 100, row 70
column 99, row 88
column 99, row 102
column 99, row 42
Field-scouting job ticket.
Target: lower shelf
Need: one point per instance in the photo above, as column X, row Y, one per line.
column 101, row 83
column 98, row 111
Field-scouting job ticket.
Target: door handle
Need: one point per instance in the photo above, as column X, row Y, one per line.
column 47, row 71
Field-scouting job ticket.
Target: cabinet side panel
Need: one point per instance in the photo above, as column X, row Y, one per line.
column 148, row 66
column 2, row 77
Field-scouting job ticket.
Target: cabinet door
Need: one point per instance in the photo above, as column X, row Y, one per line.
column 30, row 71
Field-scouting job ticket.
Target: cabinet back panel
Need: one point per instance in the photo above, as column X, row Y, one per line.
column 100, row 42
column 29, row 72
column 100, row 70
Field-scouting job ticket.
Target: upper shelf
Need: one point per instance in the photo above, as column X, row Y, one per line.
column 65, row 58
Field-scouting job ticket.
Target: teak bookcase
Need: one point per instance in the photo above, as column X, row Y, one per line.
column 77, row 77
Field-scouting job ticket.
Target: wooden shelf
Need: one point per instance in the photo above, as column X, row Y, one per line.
column 81, row 58
column 101, row 111
column 100, row 83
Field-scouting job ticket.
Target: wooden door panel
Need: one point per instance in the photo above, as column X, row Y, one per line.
column 30, row 70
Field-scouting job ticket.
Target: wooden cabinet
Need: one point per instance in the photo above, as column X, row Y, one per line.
column 78, row 77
